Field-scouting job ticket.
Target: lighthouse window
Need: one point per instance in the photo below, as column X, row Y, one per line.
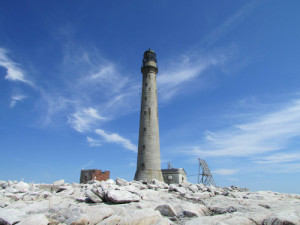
column 145, row 129
column 146, row 98
column 146, row 84
column 145, row 112
column 143, row 165
column 144, row 147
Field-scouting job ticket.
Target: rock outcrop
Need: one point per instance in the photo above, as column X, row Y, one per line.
column 153, row 202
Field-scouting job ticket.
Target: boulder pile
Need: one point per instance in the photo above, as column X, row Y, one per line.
column 152, row 202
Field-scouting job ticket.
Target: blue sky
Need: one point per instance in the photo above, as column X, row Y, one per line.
column 229, row 88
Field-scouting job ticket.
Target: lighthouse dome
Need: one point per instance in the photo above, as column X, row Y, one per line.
column 149, row 59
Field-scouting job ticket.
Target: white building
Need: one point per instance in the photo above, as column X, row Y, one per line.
column 174, row 176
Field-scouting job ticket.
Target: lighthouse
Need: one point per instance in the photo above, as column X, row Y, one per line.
column 148, row 160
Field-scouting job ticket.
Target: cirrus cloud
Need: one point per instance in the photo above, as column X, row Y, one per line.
column 83, row 120
column 15, row 99
column 13, row 71
column 116, row 138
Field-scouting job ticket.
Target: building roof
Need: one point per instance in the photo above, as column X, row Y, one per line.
column 174, row 170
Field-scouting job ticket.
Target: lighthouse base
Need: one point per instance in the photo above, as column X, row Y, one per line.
column 144, row 175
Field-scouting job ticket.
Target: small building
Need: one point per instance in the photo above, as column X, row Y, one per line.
column 174, row 175
column 93, row 174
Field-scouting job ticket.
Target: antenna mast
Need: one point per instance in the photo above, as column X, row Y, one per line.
column 204, row 173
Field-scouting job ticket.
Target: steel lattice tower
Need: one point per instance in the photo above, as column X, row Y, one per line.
column 204, row 173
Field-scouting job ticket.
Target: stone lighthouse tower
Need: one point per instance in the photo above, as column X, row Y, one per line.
column 148, row 161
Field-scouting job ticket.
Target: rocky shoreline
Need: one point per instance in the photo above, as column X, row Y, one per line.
column 153, row 202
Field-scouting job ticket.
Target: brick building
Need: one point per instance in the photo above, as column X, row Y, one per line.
column 93, row 174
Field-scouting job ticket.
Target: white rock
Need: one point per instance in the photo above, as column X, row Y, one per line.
column 10, row 183
column 217, row 192
column 119, row 196
column 108, row 185
column 164, row 221
column 11, row 190
column 173, row 187
column 262, row 207
column 283, row 217
column 97, row 214
column 3, row 204
column 198, row 196
column 112, row 220
column 37, row 207
column 163, row 185
column 152, row 186
column 45, row 194
column 64, row 210
column 58, row 183
column 121, row 182
column 145, row 217
column 211, row 188
column 47, row 187
column 69, row 189
column 209, row 220
column 92, row 196
column 181, row 190
column 237, row 220
column 201, row 187
column 110, row 182
column 147, row 194
column 222, row 210
column 9, row 216
column 154, row 181
column 193, row 188
column 158, row 184
column 82, row 221
column 22, row 186
column 3, row 184
column 37, row 219
column 103, row 188
column 192, row 210
column 131, row 189
column 99, row 192
column 166, row 210
column 138, row 184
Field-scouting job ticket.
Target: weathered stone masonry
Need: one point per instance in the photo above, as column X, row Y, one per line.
column 148, row 162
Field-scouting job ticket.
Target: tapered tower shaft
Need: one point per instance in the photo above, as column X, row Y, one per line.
column 148, row 161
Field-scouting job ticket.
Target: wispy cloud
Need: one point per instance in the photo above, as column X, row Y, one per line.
column 94, row 77
column 187, row 68
column 93, row 142
column 279, row 158
column 286, row 168
column 229, row 24
column 116, row 138
column 265, row 133
column 52, row 104
column 225, row 171
column 14, row 72
column 91, row 72
column 106, row 75
column 84, row 119
column 194, row 62
column 15, row 99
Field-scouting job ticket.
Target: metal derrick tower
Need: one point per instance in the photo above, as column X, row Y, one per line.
column 204, row 174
